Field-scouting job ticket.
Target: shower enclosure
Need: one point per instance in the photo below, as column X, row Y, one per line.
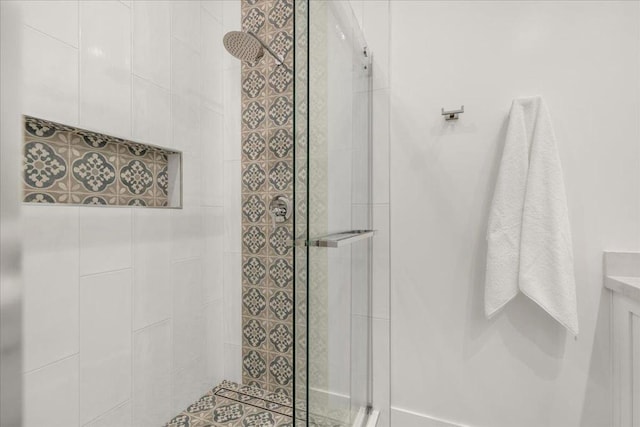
column 332, row 216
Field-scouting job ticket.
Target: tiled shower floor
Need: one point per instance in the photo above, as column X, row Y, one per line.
column 234, row 405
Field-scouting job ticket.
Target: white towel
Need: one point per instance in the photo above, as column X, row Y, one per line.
column 529, row 238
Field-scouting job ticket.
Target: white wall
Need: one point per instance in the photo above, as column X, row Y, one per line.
column 448, row 362
column 124, row 313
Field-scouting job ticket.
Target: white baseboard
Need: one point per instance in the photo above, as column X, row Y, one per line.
column 405, row 418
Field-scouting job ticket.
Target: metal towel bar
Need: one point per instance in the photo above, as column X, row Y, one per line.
column 338, row 240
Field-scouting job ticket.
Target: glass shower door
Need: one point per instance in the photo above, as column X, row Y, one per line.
column 337, row 236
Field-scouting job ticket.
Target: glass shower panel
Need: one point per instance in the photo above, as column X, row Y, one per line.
column 338, row 211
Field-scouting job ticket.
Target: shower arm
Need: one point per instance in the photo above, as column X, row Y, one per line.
column 277, row 57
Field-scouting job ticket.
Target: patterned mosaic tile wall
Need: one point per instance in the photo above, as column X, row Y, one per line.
column 267, row 171
column 64, row 164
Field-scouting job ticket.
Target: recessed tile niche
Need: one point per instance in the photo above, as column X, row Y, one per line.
column 64, row 164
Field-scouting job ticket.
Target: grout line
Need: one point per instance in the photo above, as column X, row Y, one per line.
column 218, row 20
column 39, row 368
column 107, row 412
column 185, row 44
column 183, row 260
column 148, row 80
column 52, row 37
column 102, row 273
column 151, row 325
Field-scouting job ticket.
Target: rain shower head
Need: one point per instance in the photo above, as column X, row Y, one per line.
column 247, row 47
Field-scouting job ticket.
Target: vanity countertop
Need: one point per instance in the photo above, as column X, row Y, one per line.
column 622, row 273
column 625, row 285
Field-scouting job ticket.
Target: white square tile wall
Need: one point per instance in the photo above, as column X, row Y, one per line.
column 51, row 277
column 105, row 67
column 104, row 285
column 52, row 393
column 51, row 91
column 152, row 375
column 105, row 342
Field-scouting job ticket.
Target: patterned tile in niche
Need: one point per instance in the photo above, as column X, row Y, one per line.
column 91, row 161
column 254, row 333
column 94, row 171
column 40, row 198
column 95, row 200
column 281, row 110
column 43, row 128
column 254, row 364
column 280, row 13
column 253, row 84
column 281, row 305
column 253, row 146
column 254, row 239
column 254, row 208
column 281, row 143
column 162, row 180
column 254, row 21
column 254, row 176
column 136, row 177
column 253, row 301
column 135, row 201
column 280, row 78
column 253, row 115
column 138, row 150
column 254, row 270
column 281, row 175
column 281, row 272
column 96, row 140
column 280, row 338
column 43, row 166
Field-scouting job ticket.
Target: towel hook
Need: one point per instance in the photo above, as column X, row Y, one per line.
column 452, row 114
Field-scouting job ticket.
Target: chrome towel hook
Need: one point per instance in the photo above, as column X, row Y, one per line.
column 452, row 114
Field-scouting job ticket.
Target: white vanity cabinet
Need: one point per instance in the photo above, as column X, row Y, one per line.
column 622, row 278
